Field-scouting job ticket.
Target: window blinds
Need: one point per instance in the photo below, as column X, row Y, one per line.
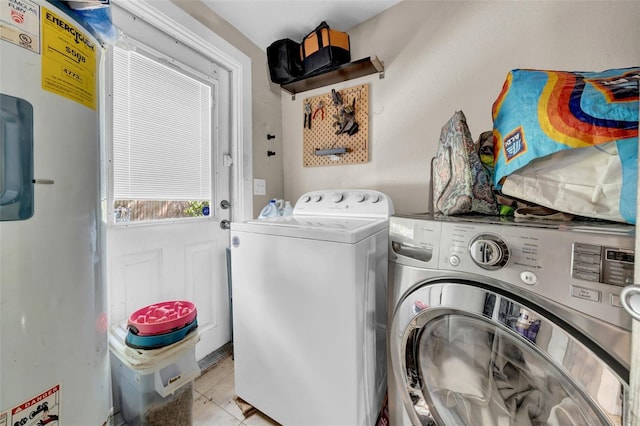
column 162, row 131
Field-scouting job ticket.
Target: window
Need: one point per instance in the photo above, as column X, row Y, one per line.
column 161, row 140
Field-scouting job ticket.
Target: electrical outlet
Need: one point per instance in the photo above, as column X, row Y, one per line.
column 259, row 187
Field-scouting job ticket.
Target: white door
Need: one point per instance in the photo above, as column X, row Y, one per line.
column 153, row 257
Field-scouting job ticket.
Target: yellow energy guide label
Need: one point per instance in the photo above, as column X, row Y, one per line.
column 68, row 60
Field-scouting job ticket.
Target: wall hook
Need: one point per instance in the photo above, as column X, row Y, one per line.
column 270, row 153
column 269, row 137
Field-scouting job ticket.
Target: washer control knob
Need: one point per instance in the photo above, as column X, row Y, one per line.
column 306, row 199
column 316, row 198
column 336, row 197
column 359, row 197
column 454, row 260
column 375, row 198
column 489, row 252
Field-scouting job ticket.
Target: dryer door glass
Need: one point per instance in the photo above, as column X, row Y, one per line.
column 469, row 356
column 476, row 372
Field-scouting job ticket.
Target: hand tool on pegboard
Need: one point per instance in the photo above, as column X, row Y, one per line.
column 319, row 108
column 346, row 116
column 307, row 115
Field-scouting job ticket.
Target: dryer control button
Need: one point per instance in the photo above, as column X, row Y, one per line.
column 528, row 277
column 454, row 260
column 585, row 293
column 614, row 299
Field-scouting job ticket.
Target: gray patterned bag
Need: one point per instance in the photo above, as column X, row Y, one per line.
column 460, row 184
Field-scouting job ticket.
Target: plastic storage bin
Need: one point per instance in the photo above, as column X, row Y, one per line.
column 153, row 387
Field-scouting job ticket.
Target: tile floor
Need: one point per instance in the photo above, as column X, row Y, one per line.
column 214, row 399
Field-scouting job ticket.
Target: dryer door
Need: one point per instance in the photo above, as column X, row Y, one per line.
column 464, row 355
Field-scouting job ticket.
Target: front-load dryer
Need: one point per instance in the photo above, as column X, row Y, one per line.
column 309, row 309
column 496, row 322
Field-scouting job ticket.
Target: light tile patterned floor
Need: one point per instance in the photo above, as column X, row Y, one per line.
column 214, row 403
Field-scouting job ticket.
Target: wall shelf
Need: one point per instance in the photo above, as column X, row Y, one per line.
column 359, row 68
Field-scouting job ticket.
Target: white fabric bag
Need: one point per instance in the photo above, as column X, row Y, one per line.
column 584, row 182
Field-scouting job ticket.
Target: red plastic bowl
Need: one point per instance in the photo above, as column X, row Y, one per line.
column 162, row 317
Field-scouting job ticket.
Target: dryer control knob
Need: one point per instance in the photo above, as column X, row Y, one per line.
column 359, row 197
column 336, row 197
column 375, row 198
column 316, row 198
column 306, row 199
column 489, row 252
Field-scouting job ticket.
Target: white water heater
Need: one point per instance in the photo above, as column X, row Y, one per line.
column 53, row 322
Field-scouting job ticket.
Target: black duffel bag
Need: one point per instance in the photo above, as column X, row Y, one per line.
column 285, row 64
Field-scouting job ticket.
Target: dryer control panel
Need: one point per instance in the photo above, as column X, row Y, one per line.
column 580, row 265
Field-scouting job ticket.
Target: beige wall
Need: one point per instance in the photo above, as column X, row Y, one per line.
column 439, row 56
column 266, row 111
column 444, row 56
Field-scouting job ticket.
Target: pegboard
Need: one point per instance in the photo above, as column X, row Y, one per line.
column 322, row 135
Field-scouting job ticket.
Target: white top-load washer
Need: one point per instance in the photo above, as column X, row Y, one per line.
column 309, row 314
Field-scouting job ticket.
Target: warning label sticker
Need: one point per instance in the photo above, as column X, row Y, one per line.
column 45, row 407
column 20, row 23
column 68, row 60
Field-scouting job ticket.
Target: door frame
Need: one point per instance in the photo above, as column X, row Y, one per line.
column 178, row 24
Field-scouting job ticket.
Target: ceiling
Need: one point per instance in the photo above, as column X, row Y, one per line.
column 265, row 21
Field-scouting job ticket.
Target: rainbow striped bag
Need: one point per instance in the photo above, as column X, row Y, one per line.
column 569, row 140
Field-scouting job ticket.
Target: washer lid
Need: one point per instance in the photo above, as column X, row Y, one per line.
column 347, row 230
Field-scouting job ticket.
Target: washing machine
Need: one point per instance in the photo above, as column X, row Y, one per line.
column 309, row 309
column 498, row 322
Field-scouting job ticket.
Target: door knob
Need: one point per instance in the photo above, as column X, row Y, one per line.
column 630, row 299
column 224, row 204
column 225, row 224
